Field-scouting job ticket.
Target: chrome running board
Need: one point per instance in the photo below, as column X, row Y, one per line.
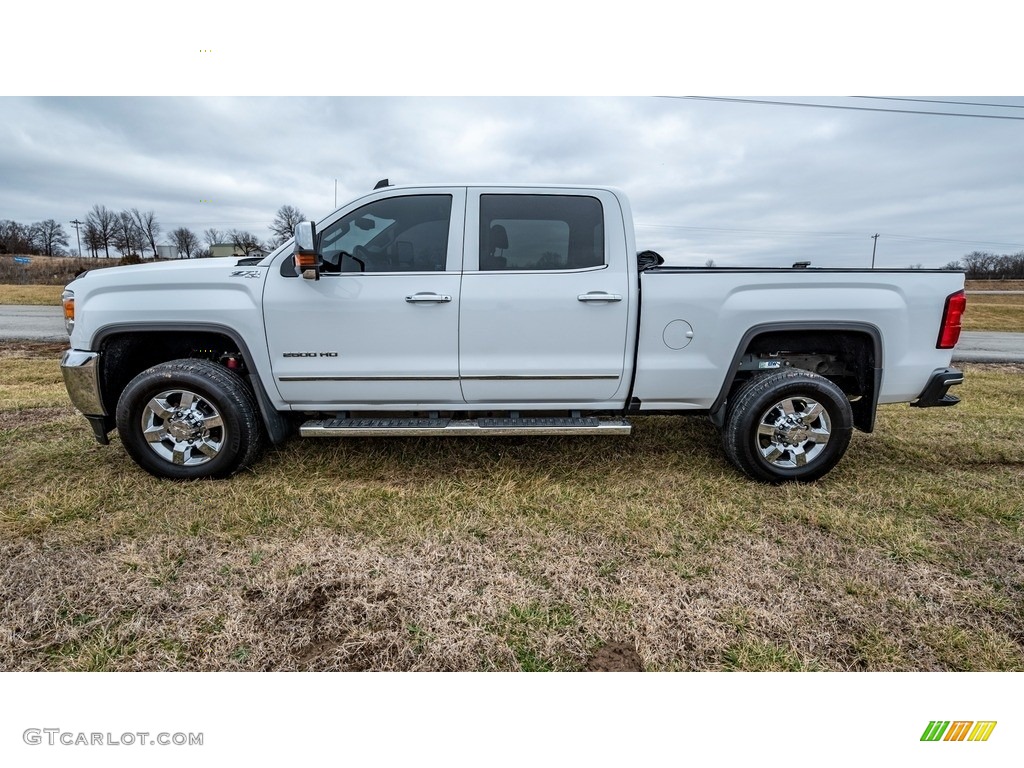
column 483, row 427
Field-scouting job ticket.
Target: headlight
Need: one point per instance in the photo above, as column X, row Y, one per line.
column 68, row 300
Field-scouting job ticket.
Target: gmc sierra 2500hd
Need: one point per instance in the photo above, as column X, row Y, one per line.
column 496, row 310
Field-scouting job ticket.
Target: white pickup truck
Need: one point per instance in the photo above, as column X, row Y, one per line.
column 497, row 310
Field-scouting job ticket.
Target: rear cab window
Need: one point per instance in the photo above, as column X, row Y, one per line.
column 526, row 233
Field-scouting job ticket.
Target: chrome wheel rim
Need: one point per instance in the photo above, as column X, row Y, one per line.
column 793, row 432
column 183, row 427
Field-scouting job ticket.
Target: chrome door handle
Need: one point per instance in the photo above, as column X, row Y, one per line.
column 599, row 296
column 435, row 298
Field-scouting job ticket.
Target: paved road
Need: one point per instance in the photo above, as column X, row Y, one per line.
column 27, row 323
column 983, row 347
column 31, row 323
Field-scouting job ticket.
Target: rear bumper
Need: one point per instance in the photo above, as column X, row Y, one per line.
column 81, row 373
column 935, row 394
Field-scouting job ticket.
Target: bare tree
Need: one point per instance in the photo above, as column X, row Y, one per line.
column 148, row 226
column 127, row 236
column 1007, row 267
column 1017, row 270
column 212, row 236
column 185, row 241
column 246, row 242
column 981, row 265
column 284, row 223
column 14, row 237
column 93, row 241
column 103, row 220
column 48, row 236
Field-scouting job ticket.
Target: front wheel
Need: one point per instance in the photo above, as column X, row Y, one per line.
column 189, row 419
column 789, row 425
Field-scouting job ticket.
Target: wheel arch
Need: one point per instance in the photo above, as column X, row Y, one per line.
column 128, row 349
column 859, row 343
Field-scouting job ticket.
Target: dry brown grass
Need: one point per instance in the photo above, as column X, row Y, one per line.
column 516, row 553
column 49, row 270
column 43, row 279
column 995, row 285
column 994, row 312
column 38, row 295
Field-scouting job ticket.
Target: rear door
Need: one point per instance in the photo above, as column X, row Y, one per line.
column 545, row 300
column 380, row 328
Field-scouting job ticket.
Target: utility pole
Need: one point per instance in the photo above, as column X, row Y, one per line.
column 873, row 247
column 77, row 224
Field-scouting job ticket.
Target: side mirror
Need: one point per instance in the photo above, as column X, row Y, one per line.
column 307, row 260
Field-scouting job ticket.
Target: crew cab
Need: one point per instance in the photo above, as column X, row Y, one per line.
column 472, row 310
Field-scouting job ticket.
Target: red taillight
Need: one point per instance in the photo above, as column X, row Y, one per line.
column 949, row 334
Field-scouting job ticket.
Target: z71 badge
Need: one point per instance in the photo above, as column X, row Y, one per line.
column 247, row 273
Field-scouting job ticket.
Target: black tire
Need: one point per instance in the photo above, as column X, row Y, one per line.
column 190, row 419
column 787, row 425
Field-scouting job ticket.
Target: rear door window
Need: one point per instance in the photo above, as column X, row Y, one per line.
column 540, row 232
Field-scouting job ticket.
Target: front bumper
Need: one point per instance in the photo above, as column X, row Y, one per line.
column 81, row 371
column 935, row 393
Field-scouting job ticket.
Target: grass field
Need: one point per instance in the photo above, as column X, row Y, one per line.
column 995, row 312
column 31, row 294
column 995, row 285
column 48, row 270
column 509, row 554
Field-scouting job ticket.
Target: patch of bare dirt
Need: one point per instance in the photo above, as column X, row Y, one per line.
column 616, row 657
column 32, row 349
column 32, row 417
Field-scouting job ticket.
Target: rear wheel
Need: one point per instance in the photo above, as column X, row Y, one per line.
column 789, row 425
column 189, row 419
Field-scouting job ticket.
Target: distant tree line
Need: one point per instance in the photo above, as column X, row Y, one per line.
column 980, row 265
column 134, row 233
column 44, row 238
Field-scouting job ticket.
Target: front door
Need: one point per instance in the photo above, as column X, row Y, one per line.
column 380, row 328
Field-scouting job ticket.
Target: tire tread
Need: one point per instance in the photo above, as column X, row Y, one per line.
column 736, row 437
column 222, row 384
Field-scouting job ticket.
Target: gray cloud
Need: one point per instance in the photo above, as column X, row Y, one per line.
column 743, row 184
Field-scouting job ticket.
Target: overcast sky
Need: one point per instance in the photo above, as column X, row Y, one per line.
column 739, row 183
